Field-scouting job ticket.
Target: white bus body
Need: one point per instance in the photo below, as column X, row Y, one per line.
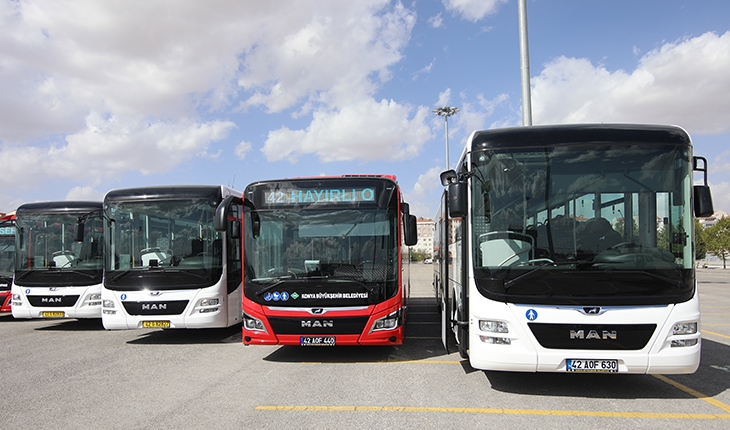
column 571, row 249
column 166, row 267
column 56, row 276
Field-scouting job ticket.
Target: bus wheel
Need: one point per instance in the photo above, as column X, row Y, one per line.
column 462, row 333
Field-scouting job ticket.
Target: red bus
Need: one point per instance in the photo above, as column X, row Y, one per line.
column 7, row 259
column 323, row 261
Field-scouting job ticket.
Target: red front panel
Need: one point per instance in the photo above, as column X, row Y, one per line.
column 324, row 326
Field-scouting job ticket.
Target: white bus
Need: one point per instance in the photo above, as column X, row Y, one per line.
column 57, row 276
column 571, row 249
column 166, row 266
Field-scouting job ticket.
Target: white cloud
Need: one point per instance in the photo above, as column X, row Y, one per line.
column 436, row 21
column 444, row 98
column 110, row 146
column 336, row 57
column 121, row 87
column 684, row 83
column 425, row 193
column 424, row 70
column 242, row 149
column 365, row 131
column 721, row 196
column 85, row 194
column 472, row 10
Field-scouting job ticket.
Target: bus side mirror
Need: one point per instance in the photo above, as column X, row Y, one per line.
column 448, row 177
column 457, row 200
column 255, row 224
column 79, row 231
column 410, row 234
column 703, row 201
column 235, row 230
column 702, row 197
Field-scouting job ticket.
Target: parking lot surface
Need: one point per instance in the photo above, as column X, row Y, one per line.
column 74, row 374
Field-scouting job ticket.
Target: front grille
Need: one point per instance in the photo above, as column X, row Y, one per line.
column 593, row 336
column 171, row 307
column 52, row 301
column 304, row 325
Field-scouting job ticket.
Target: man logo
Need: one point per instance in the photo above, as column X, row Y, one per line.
column 317, row 323
column 51, row 300
column 593, row 334
column 154, row 306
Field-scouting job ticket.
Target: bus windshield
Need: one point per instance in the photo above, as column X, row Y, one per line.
column 7, row 253
column 49, row 255
column 344, row 248
column 547, row 220
column 168, row 243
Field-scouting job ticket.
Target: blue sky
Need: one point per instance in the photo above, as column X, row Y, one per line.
column 102, row 95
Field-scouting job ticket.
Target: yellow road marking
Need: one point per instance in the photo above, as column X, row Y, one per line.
column 694, row 393
column 716, row 334
column 494, row 411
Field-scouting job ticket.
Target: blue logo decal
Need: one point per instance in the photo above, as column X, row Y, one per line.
column 267, row 297
column 277, row 296
column 123, row 297
column 531, row 314
column 27, row 291
column 284, row 296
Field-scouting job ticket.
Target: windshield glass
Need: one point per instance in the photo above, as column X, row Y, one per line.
column 162, row 244
column 7, row 255
column 301, row 252
column 583, row 221
column 49, row 256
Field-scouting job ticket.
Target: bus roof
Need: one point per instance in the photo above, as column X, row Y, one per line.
column 547, row 135
column 58, row 207
column 169, row 192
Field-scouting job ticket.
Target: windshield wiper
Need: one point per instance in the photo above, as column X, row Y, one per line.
column 529, row 273
column 269, row 287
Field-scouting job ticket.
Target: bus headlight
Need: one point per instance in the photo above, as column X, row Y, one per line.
column 493, row 326
column 495, row 340
column 685, row 328
column 93, row 299
column 253, row 324
column 209, row 302
column 388, row 322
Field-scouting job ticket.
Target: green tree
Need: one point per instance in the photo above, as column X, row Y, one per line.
column 717, row 239
column 700, row 245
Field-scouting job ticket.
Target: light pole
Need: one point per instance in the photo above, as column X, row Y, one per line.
column 446, row 112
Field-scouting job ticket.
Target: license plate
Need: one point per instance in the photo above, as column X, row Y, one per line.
column 53, row 314
column 155, row 324
column 317, row 341
column 591, row 365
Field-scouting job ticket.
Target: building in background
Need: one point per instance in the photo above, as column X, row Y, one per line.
column 425, row 236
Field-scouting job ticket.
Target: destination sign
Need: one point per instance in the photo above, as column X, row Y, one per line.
column 296, row 196
column 7, row 231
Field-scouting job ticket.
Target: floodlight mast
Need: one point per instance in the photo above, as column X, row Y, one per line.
column 524, row 64
column 446, row 112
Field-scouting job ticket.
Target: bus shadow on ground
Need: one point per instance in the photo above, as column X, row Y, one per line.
column 711, row 379
column 189, row 336
column 73, row 325
column 422, row 341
